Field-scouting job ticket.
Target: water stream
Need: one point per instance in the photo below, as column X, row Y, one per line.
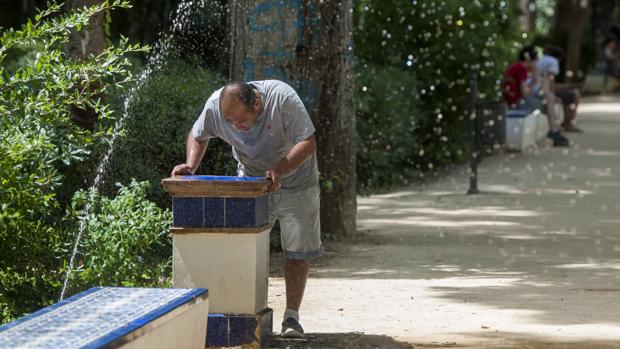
column 162, row 51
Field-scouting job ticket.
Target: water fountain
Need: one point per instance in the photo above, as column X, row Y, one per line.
column 220, row 238
column 162, row 51
column 221, row 228
column 114, row 316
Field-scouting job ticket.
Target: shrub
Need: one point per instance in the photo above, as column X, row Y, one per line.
column 125, row 240
column 29, row 268
column 387, row 114
column 442, row 43
column 39, row 143
column 159, row 120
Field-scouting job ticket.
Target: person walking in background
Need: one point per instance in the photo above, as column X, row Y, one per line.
column 611, row 55
column 548, row 68
column 523, row 89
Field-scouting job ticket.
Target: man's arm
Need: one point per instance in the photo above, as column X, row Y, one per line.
column 549, row 82
column 525, row 88
column 195, row 151
column 300, row 152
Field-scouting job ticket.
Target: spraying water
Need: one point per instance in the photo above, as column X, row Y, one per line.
column 162, row 51
column 233, row 27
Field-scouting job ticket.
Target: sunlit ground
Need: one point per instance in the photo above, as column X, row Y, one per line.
column 533, row 262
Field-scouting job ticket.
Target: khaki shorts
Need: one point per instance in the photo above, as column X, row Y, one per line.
column 300, row 226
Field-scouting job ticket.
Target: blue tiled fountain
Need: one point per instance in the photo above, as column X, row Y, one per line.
column 221, row 242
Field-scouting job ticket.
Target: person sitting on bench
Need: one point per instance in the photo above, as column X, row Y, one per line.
column 522, row 90
column 548, row 68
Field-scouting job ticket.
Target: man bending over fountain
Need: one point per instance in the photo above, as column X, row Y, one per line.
column 272, row 135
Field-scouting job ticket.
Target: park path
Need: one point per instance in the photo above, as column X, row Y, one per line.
column 532, row 262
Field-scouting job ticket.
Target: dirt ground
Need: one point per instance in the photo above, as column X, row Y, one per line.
column 532, row 262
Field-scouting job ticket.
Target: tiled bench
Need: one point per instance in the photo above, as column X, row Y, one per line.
column 521, row 128
column 525, row 128
column 220, row 238
column 115, row 317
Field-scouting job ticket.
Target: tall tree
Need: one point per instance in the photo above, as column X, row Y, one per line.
column 17, row 12
column 567, row 30
column 90, row 40
column 308, row 44
column 528, row 7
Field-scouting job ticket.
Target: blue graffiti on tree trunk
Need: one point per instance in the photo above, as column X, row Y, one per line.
column 276, row 56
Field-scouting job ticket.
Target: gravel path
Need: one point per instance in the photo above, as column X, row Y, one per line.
column 532, row 262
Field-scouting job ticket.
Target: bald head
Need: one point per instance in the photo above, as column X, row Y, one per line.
column 239, row 92
column 240, row 103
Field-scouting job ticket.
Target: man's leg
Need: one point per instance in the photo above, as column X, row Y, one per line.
column 301, row 241
column 295, row 277
column 570, row 113
column 570, row 110
column 552, row 116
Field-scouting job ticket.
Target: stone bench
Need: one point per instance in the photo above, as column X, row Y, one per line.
column 220, row 238
column 115, row 317
column 521, row 128
column 524, row 128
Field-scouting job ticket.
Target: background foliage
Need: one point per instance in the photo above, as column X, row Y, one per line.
column 427, row 51
column 40, row 146
column 126, row 239
column 161, row 113
column 413, row 62
column 387, row 113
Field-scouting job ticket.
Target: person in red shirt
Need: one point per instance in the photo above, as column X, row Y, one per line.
column 523, row 90
column 515, row 85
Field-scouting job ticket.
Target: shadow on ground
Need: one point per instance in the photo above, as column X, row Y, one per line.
column 536, row 258
column 356, row 340
column 521, row 341
column 351, row 340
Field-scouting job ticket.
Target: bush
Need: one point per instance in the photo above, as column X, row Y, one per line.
column 39, row 144
column 387, row 114
column 159, row 119
column 125, row 241
column 29, row 268
column 442, row 43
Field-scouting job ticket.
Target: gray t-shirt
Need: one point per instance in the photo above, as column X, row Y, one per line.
column 282, row 123
column 548, row 65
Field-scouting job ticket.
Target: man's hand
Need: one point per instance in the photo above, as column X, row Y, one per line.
column 195, row 150
column 295, row 157
column 182, row 169
column 276, row 180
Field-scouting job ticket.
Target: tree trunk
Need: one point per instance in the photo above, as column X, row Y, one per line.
column 14, row 13
column 573, row 50
column 528, row 7
column 567, row 31
column 308, row 44
column 603, row 15
column 89, row 41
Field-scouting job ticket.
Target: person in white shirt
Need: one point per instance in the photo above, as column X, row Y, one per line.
column 548, row 68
